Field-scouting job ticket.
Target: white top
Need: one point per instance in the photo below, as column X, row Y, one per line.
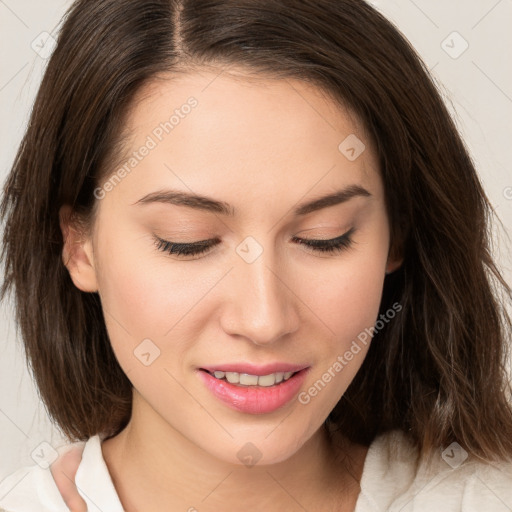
column 391, row 481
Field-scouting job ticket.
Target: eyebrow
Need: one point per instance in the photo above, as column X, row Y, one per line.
column 198, row 202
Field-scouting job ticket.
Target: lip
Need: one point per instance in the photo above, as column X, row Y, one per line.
column 254, row 399
column 253, row 369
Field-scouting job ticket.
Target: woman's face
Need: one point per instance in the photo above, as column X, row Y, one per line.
column 259, row 150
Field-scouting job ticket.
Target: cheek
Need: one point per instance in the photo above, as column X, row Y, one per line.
column 348, row 307
column 347, row 297
column 149, row 298
column 346, row 300
column 154, row 302
column 144, row 296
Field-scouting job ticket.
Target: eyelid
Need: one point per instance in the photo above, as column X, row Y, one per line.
column 321, row 240
column 183, row 247
column 320, row 237
column 328, row 246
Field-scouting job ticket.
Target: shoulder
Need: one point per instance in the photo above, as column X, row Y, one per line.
column 33, row 487
column 394, row 478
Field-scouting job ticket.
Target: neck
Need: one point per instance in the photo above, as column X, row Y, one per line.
column 154, row 467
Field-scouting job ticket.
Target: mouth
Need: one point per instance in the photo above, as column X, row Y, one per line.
column 247, row 379
column 251, row 393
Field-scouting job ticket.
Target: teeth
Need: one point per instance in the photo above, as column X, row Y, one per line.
column 267, row 380
column 246, row 379
column 249, row 380
column 233, row 377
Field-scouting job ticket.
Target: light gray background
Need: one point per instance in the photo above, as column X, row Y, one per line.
column 477, row 86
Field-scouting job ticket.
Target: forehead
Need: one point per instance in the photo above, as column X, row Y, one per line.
column 232, row 98
column 214, row 131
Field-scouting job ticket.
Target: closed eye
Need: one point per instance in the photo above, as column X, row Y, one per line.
column 331, row 246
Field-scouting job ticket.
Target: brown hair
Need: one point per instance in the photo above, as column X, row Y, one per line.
column 437, row 371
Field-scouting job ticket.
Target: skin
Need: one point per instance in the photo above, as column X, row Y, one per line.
column 63, row 471
column 263, row 146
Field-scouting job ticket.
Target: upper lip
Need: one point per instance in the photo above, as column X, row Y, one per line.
column 253, row 369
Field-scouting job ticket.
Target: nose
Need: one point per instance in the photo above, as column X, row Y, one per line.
column 263, row 305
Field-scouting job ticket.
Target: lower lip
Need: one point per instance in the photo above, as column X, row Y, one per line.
column 254, row 399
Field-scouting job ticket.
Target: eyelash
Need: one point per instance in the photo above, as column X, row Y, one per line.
column 332, row 246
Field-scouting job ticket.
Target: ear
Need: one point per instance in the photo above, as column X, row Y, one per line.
column 77, row 254
column 392, row 265
column 395, row 258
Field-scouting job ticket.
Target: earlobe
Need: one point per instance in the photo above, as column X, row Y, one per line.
column 77, row 254
column 393, row 265
column 395, row 259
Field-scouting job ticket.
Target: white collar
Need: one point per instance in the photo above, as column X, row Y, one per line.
column 93, row 479
column 33, row 488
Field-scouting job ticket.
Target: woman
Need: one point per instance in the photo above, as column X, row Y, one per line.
column 252, row 271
